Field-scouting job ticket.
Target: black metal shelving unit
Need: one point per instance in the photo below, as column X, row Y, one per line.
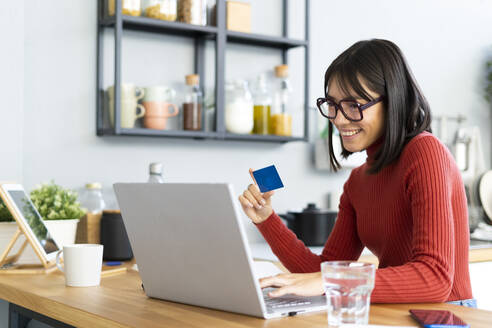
column 200, row 34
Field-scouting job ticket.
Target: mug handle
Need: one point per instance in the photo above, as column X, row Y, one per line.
column 58, row 264
column 176, row 110
column 170, row 93
column 140, row 93
column 142, row 111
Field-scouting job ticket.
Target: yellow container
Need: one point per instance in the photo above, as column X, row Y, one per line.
column 160, row 9
column 128, row 7
column 261, row 117
column 281, row 125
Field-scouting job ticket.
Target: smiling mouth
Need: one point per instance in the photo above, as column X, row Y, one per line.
column 349, row 133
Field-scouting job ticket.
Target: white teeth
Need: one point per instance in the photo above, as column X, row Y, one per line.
column 350, row 133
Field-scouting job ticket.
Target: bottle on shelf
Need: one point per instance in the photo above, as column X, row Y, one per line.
column 281, row 116
column 262, row 106
column 238, row 108
column 155, row 173
column 92, row 199
column 193, row 104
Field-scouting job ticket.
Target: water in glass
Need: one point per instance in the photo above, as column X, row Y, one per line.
column 348, row 286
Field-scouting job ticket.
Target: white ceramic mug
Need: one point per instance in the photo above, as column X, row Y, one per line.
column 127, row 91
column 129, row 113
column 82, row 264
column 159, row 93
column 130, row 110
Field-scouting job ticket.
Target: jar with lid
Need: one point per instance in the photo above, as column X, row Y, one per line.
column 262, row 105
column 238, row 108
column 193, row 104
column 128, row 7
column 92, row 199
column 160, row 9
column 155, row 173
column 281, row 116
column 192, row 12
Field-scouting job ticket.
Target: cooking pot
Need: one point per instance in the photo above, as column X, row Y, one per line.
column 312, row 225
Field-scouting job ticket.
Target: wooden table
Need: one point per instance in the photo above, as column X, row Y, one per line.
column 120, row 302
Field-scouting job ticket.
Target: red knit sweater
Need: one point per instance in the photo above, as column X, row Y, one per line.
column 412, row 215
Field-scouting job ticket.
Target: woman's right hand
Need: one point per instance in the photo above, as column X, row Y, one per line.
column 256, row 205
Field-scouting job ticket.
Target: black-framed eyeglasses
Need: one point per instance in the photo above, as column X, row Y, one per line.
column 351, row 109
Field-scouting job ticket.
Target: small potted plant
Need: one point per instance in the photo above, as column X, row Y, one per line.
column 59, row 209
column 7, row 226
column 5, row 215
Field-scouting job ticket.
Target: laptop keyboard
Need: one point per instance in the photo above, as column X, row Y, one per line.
column 283, row 301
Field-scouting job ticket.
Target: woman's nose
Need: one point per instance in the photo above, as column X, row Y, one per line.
column 340, row 119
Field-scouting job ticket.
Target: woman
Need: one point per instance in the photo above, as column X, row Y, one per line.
column 406, row 204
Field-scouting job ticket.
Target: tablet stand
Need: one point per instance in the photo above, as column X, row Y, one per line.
column 8, row 262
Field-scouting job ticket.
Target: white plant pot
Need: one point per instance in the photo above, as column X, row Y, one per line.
column 62, row 231
column 7, row 231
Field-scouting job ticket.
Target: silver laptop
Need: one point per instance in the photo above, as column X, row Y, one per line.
column 190, row 247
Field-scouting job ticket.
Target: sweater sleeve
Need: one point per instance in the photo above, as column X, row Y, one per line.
column 343, row 243
column 428, row 276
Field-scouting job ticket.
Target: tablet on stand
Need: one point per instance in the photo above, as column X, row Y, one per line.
column 31, row 225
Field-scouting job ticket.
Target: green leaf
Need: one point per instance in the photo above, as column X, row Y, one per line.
column 56, row 203
column 5, row 215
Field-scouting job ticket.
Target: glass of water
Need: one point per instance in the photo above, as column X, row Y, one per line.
column 348, row 286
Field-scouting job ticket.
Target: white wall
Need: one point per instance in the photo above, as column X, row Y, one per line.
column 12, row 94
column 11, row 90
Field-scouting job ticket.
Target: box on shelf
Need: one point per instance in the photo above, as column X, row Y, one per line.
column 89, row 229
column 238, row 16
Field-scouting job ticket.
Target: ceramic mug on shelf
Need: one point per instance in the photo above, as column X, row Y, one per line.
column 159, row 93
column 82, row 264
column 128, row 92
column 157, row 113
column 130, row 110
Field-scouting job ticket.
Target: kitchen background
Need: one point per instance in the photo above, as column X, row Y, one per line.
column 50, row 93
column 48, row 70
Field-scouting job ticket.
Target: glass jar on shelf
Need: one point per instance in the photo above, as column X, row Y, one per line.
column 160, row 9
column 192, row 12
column 262, row 106
column 281, row 116
column 238, row 108
column 193, row 104
column 128, row 7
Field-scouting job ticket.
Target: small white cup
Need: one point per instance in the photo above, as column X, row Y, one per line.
column 82, row 264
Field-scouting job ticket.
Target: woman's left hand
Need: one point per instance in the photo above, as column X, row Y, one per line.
column 302, row 284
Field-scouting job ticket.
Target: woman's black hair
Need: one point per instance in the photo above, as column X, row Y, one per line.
column 381, row 66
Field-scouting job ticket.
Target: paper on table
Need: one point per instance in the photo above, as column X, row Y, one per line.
column 265, row 269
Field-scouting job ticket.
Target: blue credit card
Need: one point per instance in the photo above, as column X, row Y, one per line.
column 267, row 178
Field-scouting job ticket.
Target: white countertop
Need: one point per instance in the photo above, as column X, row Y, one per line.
column 262, row 251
